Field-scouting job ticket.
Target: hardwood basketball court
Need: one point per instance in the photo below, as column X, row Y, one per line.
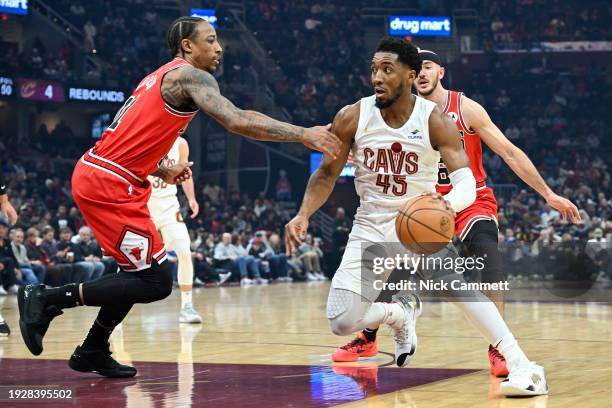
column 270, row 346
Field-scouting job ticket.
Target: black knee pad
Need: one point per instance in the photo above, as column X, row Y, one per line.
column 160, row 279
column 482, row 242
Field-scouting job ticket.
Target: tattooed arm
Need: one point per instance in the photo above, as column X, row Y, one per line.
column 188, row 85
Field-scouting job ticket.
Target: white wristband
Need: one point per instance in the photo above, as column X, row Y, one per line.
column 463, row 193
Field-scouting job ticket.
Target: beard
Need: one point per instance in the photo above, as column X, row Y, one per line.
column 434, row 85
column 386, row 104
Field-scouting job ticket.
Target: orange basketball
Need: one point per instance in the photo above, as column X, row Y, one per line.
column 424, row 225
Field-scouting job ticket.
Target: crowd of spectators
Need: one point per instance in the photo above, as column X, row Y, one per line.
column 234, row 239
column 524, row 24
column 326, row 65
column 540, row 110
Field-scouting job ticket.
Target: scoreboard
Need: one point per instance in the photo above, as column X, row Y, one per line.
column 42, row 90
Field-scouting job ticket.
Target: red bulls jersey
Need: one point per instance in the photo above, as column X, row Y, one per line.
column 144, row 129
column 471, row 142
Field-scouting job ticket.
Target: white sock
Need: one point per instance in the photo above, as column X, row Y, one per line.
column 486, row 318
column 185, row 298
column 389, row 313
column 512, row 352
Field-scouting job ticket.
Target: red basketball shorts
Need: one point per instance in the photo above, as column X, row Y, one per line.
column 483, row 208
column 113, row 202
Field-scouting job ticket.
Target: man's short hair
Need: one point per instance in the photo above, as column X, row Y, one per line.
column 406, row 52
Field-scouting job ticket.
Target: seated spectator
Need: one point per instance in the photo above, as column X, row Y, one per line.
column 254, row 264
column 54, row 273
column 309, row 254
column 32, row 273
column 203, row 262
column 226, row 257
column 76, row 256
column 62, row 257
column 93, row 253
column 9, row 270
column 277, row 261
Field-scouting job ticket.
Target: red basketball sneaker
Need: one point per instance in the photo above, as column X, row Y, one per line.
column 359, row 347
column 498, row 363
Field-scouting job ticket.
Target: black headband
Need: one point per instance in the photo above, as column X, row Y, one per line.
column 430, row 56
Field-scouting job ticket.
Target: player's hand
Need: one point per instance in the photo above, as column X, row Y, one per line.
column 439, row 196
column 178, row 173
column 295, row 233
column 319, row 138
column 9, row 212
column 565, row 207
column 195, row 208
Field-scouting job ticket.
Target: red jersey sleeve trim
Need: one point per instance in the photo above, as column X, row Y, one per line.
column 465, row 128
column 448, row 102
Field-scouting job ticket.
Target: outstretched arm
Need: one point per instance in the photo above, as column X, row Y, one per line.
column 445, row 138
column 322, row 181
column 478, row 119
column 192, row 84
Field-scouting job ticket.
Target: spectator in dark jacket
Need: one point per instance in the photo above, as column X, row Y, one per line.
column 77, row 257
column 57, row 256
column 55, row 273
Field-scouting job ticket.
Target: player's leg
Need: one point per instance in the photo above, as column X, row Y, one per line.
column 481, row 242
column 94, row 355
column 118, row 215
column 349, row 312
column 4, row 328
column 177, row 238
column 351, row 308
column 39, row 305
column 526, row 378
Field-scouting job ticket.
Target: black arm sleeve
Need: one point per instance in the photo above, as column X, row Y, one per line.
column 2, row 184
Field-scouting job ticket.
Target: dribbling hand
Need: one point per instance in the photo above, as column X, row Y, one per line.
column 295, row 233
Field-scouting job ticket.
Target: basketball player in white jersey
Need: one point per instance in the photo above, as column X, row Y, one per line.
column 396, row 139
column 165, row 211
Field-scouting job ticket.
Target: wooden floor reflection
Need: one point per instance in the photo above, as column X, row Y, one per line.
column 270, row 346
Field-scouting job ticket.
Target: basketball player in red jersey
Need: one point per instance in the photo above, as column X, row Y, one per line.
column 110, row 186
column 476, row 226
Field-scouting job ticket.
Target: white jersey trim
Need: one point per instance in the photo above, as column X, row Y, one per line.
column 105, row 170
column 91, row 153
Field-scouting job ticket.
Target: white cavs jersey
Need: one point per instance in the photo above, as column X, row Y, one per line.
column 161, row 189
column 163, row 203
column 393, row 165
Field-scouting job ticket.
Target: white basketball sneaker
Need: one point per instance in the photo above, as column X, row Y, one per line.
column 405, row 337
column 525, row 380
column 189, row 315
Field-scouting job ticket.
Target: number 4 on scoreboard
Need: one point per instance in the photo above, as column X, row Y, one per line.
column 49, row 92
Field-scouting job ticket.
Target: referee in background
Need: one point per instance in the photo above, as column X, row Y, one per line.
column 11, row 215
